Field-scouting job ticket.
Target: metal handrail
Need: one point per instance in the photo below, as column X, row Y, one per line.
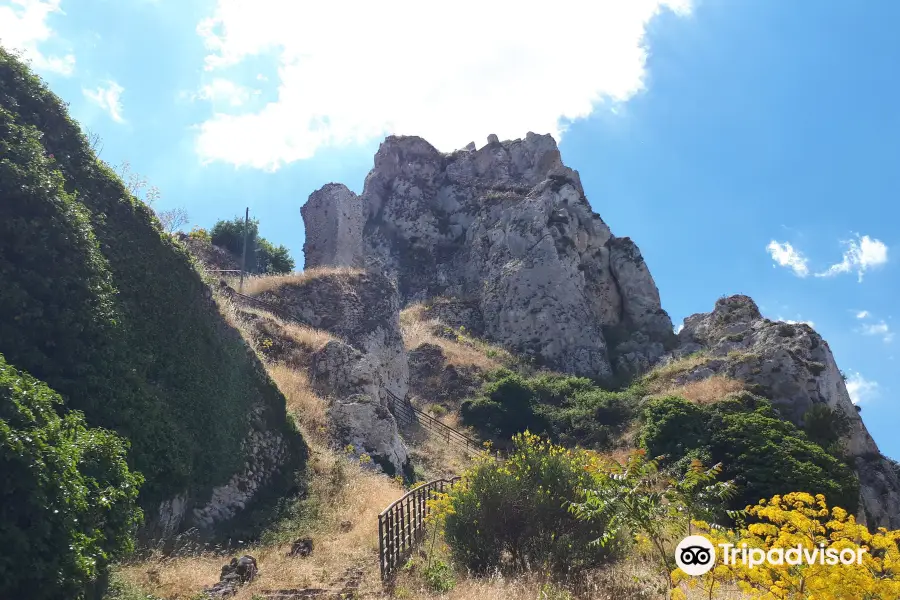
column 401, row 526
column 412, row 491
column 404, row 405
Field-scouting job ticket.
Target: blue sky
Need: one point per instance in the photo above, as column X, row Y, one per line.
column 747, row 146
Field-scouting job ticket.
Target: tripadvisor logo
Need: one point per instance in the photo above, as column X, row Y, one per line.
column 695, row 555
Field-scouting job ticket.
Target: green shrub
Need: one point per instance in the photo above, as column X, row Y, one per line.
column 826, row 426
column 572, row 410
column 67, row 498
column 200, row 234
column 107, row 310
column 764, row 454
column 230, row 234
column 516, row 515
column 271, row 259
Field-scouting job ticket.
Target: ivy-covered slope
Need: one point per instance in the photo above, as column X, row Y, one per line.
column 108, row 311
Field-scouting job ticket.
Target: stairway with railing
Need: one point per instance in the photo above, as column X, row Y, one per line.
column 406, row 414
column 401, row 525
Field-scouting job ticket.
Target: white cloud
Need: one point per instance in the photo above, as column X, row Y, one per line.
column 678, row 328
column 351, row 70
column 23, row 27
column 109, row 98
column 862, row 254
column 225, row 91
column 862, row 314
column 786, row 256
column 861, row 389
column 881, row 329
column 792, row 322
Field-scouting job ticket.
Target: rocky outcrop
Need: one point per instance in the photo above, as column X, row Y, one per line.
column 235, row 574
column 359, row 416
column 793, row 366
column 361, row 308
column 509, row 228
column 434, row 380
column 358, row 372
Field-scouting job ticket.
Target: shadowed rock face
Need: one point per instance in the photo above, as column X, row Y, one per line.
column 793, row 366
column 507, row 228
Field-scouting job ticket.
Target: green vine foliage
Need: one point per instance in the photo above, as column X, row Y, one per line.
column 67, row 498
column 109, row 311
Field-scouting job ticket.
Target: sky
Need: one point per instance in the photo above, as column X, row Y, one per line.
column 747, row 146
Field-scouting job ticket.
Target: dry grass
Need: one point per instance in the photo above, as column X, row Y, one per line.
column 463, row 351
column 706, row 391
column 633, row 578
column 342, row 491
column 661, row 377
column 254, row 286
column 314, row 339
column 309, row 409
column 471, row 588
column 308, row 337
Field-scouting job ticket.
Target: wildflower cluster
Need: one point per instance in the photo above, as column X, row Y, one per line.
column 801, row 520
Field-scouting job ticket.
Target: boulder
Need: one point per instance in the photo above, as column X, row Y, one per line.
column 234, row 574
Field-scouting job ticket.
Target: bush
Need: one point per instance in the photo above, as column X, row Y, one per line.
column 571, row 410
column 271, row 259
column 516, row 514
column 826, row 426
column 67, row 498
column 200, row 234
column 800, row 519
column 764, row 454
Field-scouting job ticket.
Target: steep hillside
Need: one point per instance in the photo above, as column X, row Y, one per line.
column 107, row 310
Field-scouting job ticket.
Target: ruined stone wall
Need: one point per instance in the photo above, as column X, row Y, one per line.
column 334, row 219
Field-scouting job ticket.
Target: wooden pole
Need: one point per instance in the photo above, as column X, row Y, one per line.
column 244, row 254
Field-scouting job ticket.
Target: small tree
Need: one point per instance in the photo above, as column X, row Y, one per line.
column 271, row 259
column 172, row 220
column 138, row 186
column 653, row 506
column 230, row 235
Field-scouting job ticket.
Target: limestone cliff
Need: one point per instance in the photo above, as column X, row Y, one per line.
column 793, row 366
column 507, row 228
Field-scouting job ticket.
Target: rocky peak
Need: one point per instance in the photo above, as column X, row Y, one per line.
column 792, row 365
column 508, row 227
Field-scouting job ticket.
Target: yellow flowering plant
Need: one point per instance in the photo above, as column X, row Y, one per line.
column 817, row 536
